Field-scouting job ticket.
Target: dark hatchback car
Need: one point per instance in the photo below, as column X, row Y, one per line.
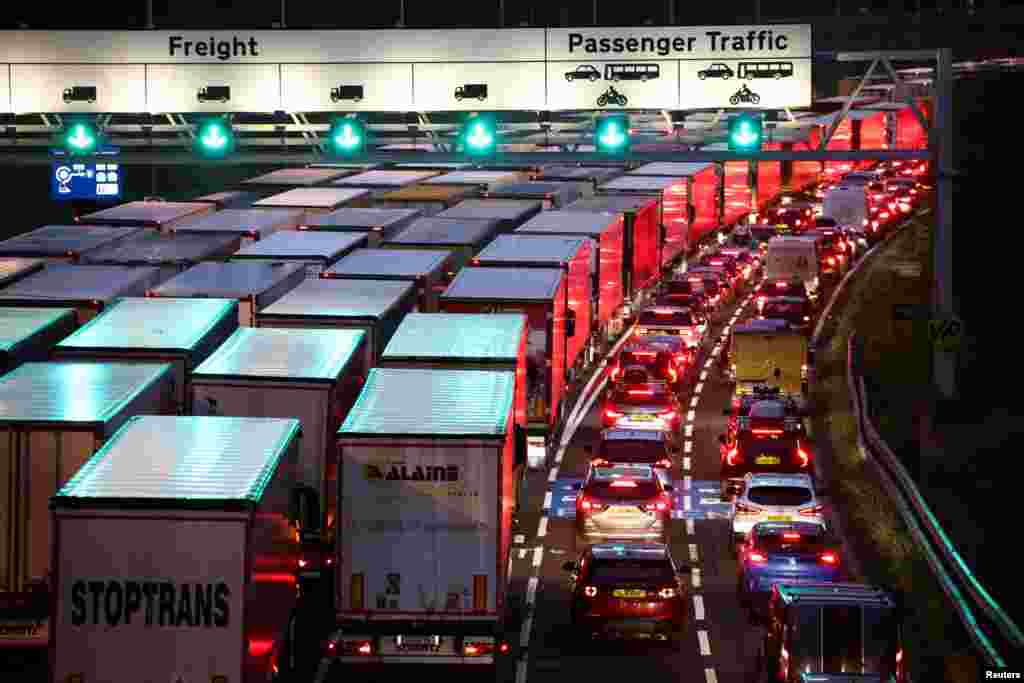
column 628, row 589
column 797, row 311
column 761, row 450
column 633, row 447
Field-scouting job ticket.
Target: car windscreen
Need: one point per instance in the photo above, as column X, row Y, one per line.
column 768, row 410
column 641, row 397
column 640, row 491
column 782, row 309
column 688, row 300
column 632, row 451
column 674, row 318
column 645, row 358
column 640, row 571
column 779, row 496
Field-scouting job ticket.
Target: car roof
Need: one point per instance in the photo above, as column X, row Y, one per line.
column 629, row 551
column 826, row 593
column 785, row 300
column 666, row 309
column 658, row 388
column 658, row 341
column 633, row 435
column 627, row 471
column 760, row 479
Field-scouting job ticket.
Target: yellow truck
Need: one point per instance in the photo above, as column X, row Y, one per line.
column 768, row 352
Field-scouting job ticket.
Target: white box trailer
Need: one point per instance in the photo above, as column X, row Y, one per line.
column 313, row 376
column 429, row 199
column 510, row 213
column 63, row 243
column 464, row 237
column 586, row 178
column 159, row 215
column 255, row 285
column 429, row 269
column 53, row 418
column 287, row 178
column 427, row 499
column 376, row 223
column 87, row 289
column 28, row 334
column 170, row 252
column 314, row 200
column 376, row 306
column 14, row 269
column 316, row 251
column 550, row 195
column 480, row 179
column 384, row 179
column 175, row 553
column 249, row 224
column 182, row 332
column 848, row 205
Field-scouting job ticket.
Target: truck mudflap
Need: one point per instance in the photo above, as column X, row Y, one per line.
column 470, row 643
column 24, row 619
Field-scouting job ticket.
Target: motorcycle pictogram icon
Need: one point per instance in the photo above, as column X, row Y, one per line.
column 612, row 96
column 744, row 95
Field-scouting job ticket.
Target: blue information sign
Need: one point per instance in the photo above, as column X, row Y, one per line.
column 85, row 180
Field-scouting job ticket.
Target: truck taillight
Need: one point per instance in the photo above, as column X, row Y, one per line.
column 733, row 458
column 356, row 589
column 477, row 649
column 590, row 591
column 480, row 592
column 330, row 648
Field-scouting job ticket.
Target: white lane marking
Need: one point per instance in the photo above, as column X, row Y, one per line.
column 524, row 638
column 522, row 553
column 688, row 431
column 703, row 375
column 709, row 676
column 542, row 528
column 521, row 670
column 694, row 401
column 708, row 363
column 699, row 388
column 559, row 455
column 686, row 464
column 538, row 555
column 689, row 527
column 547, row 501
column 694, row 557
column 705, row 646
column 698, row 607
column 509, row 565
column 686, row 503
column 687, row 446
column 553, row 474
column 520, row 538
column 531, row 590
column 687, row 482
column 695, row 577
column 690, row 415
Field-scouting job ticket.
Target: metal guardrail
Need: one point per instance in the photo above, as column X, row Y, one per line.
column 993, row 632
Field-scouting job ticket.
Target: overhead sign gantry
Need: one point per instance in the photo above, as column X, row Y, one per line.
column 402, row 70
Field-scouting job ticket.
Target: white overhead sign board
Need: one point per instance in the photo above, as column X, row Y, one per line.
column 751, row 67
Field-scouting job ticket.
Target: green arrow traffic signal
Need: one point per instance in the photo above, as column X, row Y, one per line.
column 81, row 138
column 214, row 138
column 347, row 137
column 745, row 132
column 480, row 135
column 611, row 134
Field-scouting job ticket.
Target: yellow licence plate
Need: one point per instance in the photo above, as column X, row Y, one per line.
column 641, row 418
column 778, row 518
column 635, row 594
column 768, row 460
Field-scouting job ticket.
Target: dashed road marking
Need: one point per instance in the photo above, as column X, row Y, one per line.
column 686, row 503
column 705, row 646
column 703, row 375
column 553, row 474
column 694, row 556
column 522, row 553
column 689, row 527
column 687, row 447
column 538, row 555
column 709, row 676
column 547, row 501
column 542, row 528
column 531, row 590
column 695, row 577
column 690, row 415
column 699, row 388
column 686, row 464
column 519, row 538
column 708, row 363
column 687, row 482
column 694, row 401
column 688, row 431
column 521, row 670
column 524, row 638
column 698, row 607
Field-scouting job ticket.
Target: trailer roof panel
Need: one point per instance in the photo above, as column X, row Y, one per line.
column 302, row 244
column 446, row 231
column 641, row 183
column 268, row 353
column 589, row 223
column 516, row 284
column 485, row 209
column 385, row 178
column 671, row 168
column 337, row 298
column 458, row 336
column 78, row 393
column 474, row 177
column 369, row 218
column 301, row 177
column 406, row 264
column 443, row 403
column 229, row 198
column 13, row 268
column 428, row 193
column 552, row 249
column 615, row 203
column 313, row 197
column 242, row 220
column 231, row 280
column 152, row 323
column 153, row 248
column 181, row 461
column 580, row 172
column 72, row 282
column 529, row 189
column 18, row 324
column 60, row 241
column 152, row 212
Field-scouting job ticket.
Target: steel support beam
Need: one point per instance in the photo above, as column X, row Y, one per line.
column 944, row 363
column 908, row 100
column 847, row 106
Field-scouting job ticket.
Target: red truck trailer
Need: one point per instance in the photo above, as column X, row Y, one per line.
column 702, row 191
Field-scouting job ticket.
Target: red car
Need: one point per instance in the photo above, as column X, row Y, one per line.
column 664, row 359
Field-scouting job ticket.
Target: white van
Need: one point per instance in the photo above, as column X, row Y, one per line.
column 792, row 257
column 847, row 205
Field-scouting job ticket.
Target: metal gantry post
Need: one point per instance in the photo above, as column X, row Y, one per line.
column 942, row 284
column 149, row 14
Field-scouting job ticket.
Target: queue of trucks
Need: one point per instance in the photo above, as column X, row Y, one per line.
column 212, row 426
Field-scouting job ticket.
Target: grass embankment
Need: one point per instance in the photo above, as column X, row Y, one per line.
column 895, row 354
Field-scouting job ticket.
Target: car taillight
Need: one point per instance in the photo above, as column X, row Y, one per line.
column 865, row 222
column 612, row 414
column 660, row 506
column 667, row 415
column 912, row 191
column 664, row 462
column 330, row 561
column 743, row 509
column 586, row 504
column 672, row 375
column 503, row 648
column 599, row 462
column 829, row 558
column 667, row 593
column 733, row 458
column 811, row 511
column 766, row 432
column 590, row 591
column 303, row 563
column 365, row 648
column 616, row 374
column 831, row 260
column 884, row 214
column 330, row 648
column 756, row 557
column 805, row 458
column 682, row 358
column 791, row 537
column 477, row 649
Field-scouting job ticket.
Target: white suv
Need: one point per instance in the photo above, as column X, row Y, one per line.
column 775, row 498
